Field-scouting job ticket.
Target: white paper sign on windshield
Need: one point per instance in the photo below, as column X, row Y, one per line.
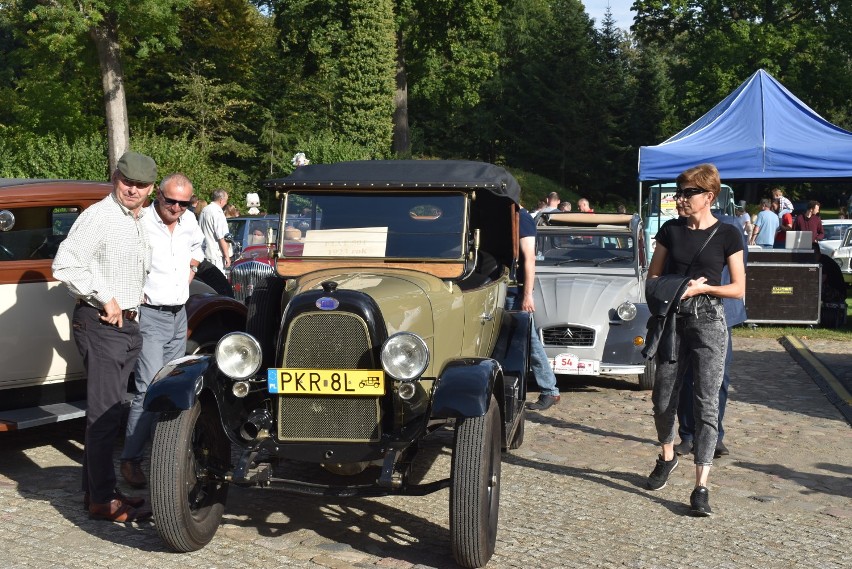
column 349, row 242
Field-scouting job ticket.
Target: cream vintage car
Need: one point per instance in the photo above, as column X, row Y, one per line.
column 384, row 322
column 590, row 294
column 42, row 378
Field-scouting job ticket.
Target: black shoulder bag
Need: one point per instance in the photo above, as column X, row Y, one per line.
column 686, row 306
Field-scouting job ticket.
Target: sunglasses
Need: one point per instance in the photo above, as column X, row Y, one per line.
column 169, row 201
column 689, row 192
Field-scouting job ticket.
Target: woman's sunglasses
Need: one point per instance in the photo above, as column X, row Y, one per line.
column 689, row 192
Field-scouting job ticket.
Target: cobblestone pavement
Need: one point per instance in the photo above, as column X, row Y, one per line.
column 572, row 495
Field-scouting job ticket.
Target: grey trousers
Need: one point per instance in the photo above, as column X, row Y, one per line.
column 702, row 342
column 163, row 339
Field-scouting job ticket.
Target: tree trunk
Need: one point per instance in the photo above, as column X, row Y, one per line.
column 401, row 138
column 112, row 78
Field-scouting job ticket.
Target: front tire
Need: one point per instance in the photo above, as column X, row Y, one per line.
column 646, row 380
column 187, row 498
column 475, row 488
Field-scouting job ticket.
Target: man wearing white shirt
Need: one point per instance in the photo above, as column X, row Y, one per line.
column 175, row 239
column 214, row 225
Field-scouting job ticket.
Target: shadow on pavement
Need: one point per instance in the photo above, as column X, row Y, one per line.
column 535, row 417
column 630, row 482
column 811, row 482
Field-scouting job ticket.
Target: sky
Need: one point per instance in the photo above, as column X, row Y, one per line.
column 620, row 11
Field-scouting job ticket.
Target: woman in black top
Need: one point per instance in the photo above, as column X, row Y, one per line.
column 701, row 332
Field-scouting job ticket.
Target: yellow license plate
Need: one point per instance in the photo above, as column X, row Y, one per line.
column 326, row 382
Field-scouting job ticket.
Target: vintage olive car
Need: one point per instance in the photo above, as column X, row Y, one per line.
column 42, row 379
column 384, row 322
column 590, row 294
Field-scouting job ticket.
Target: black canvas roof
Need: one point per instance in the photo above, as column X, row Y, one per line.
column 429, row 174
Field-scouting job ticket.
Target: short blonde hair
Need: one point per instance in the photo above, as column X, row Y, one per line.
column 704, row 176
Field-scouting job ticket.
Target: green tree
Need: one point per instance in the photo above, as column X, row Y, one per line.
column 713, row 46
column 206, row 111
column 367, row 71
column 64, row 28
column 449, row 53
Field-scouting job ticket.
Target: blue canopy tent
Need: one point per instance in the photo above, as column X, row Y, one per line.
column 760, row 131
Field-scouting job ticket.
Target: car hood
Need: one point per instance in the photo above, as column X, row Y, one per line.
column 404, row 297
column 581, row 299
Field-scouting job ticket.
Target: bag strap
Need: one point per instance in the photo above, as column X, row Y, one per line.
column 712, row 233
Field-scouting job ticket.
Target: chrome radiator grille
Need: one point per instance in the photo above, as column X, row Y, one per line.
column 328, row 340
column 245, row 276
column 568, row 336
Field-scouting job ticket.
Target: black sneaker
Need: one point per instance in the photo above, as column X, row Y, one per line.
column 721, row 450
column 544, row 402
column 699, row 502
column 684, row 447
column 658, row 479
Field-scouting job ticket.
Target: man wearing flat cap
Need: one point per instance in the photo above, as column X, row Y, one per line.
column 104, row 262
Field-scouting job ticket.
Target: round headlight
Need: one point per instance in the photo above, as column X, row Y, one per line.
column 238, row 355
column 626, row 311
column 405, row 356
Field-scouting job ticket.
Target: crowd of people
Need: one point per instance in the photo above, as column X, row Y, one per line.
column 769, row 227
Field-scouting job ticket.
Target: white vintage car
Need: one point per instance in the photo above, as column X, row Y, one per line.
column 842, row 255
column 590, row 294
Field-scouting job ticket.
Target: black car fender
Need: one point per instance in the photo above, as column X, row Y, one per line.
column 177, row 386
column 464, row 387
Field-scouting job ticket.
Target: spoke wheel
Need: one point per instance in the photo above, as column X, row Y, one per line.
column 187, row 500
column 475, row 488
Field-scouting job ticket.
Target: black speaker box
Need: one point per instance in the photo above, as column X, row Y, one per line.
column 783, row 293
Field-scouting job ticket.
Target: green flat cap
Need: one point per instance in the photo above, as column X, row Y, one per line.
column 138, row 167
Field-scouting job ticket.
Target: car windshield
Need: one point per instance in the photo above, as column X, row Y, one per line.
column 836, row 231
column 378, row 225
column 587, row 248
column 259, row 230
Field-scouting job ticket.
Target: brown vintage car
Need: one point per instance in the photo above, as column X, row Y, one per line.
column 41, row 376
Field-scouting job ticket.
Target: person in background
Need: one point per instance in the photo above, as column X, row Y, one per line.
column 230, row 210
column 785, row 224
column 786, row 206
column 520, row 297
column 175, row 240
column 697, row 246
column 193, row 202
column 765, row 226
column 540, row 207
column 620, row 208
column 199, row 207
column 744, row 222
column 552, row 202
column 104, row 262
column 565, row 206
column 214, row 225
column 583, row 205
column 810, row 221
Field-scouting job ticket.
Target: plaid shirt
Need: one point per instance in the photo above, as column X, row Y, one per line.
column 106, row 255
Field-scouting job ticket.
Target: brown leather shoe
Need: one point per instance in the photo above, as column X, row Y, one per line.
column 132, row 473
column 132, row 501
column 117, row 511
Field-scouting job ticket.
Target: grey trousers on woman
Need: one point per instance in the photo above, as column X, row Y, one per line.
column 702, row 341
